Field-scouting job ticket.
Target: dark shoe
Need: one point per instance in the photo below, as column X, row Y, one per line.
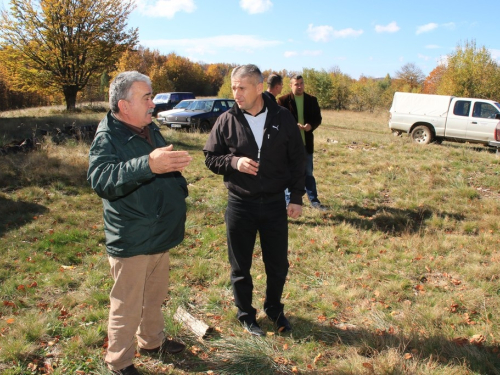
column 167, row 347
column 129, row 370
column 253, row 328
column 282, row 324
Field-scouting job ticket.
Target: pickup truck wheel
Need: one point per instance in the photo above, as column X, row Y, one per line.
column 421, row 134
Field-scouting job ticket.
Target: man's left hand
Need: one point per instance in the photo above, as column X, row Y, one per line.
column 294, row 210
column 306, row 127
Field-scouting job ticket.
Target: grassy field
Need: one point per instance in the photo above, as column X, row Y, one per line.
column 399, row 276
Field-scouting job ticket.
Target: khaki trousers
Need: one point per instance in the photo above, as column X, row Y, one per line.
column 141, row 286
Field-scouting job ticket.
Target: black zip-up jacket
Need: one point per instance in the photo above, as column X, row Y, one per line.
column 282, row 155
column 312, row 115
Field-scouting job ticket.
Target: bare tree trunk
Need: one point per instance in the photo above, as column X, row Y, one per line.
column 70, row 93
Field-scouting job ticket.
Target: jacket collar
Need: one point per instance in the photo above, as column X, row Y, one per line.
column 114, row 126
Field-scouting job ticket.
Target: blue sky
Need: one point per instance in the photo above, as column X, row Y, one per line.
column 369, row 37
column 359, row 37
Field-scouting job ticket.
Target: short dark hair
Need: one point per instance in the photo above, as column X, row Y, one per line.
column 297, row 76
column 274, row 79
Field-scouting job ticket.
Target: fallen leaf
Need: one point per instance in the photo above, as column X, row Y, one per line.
column 317, row 358
column 322, row 318
column 477, row 340
column 460, row 341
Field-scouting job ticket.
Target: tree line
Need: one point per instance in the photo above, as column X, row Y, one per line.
column 54, row 51
column 469, row 71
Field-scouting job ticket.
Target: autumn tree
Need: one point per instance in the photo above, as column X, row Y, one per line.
column 62, row 45
column 341, row 84
column 319, row 83
column 215, row 74
column 225, row 89
column 433, row 80
column 471, row 72
column 410, row 77
column 387, row 92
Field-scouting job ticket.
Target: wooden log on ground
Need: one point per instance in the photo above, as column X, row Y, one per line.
column 198, row 327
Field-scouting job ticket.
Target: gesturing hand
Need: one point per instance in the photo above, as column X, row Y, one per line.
column 165, row 160
column 246, row 165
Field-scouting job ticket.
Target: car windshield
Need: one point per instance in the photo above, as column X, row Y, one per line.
column 183, row 104
column 161, row 98
column 202, row 105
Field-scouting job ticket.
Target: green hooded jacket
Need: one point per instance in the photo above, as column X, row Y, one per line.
column 144, row 213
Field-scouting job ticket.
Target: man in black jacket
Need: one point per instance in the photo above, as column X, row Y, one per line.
column 305, row 109
column 274, row 86
column 256, row 146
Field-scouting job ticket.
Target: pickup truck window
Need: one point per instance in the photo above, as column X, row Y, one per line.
column 484, row 110
column 462, row 108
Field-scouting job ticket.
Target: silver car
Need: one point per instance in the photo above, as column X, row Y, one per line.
column 162, row 116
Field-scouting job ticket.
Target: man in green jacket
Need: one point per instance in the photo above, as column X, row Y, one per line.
column 138, row 176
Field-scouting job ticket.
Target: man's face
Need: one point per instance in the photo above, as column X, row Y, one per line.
column 279, row 88
column 246, row 92
column 138, row 108
column 297, row 86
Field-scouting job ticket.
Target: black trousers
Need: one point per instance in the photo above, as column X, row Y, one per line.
column 244, row 219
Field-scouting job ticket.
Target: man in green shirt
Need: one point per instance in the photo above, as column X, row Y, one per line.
column 305, row 109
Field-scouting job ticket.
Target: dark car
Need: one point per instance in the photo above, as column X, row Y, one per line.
column 200, row 115
column 168, row 100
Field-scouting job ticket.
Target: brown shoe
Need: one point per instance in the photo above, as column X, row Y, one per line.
column 167, row 347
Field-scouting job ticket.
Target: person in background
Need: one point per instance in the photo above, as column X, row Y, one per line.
column 138, row 176
column 257, row 147
column 305, row 109
column 274, row 86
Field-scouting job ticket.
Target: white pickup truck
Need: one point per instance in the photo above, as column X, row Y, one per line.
column 434, row 118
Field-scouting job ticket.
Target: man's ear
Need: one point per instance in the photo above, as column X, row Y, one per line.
column 260, row 87
column 123, row 105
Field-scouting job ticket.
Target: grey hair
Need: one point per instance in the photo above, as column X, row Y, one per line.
column 249, row 70
column 274, row 79
column 119, row 89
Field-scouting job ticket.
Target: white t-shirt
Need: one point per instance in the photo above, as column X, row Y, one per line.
column 257, row 125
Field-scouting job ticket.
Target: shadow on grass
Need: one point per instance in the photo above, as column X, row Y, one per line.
column 251, row 352
column 14, row 214
column 385, row 219
column 479, row 358
column 470, row 146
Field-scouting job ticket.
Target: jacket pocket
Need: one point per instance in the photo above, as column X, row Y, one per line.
column 183, row 184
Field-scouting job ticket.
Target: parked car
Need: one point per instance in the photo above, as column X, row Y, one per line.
column 167, row 100
column 201, row 114
column 162, row 116
column 429, row 118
